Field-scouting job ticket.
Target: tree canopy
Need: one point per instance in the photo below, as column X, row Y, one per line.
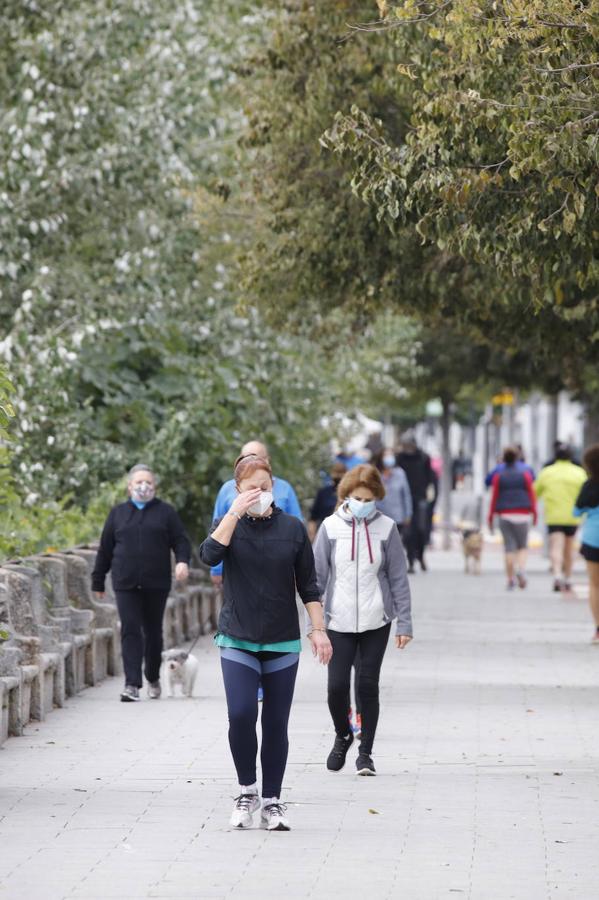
column 499, row 164
column 123, row 326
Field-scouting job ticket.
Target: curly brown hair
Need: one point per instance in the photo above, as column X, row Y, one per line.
column 591, row 461
column 365, row 476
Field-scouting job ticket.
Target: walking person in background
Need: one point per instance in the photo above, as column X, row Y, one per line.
column 513, row 499
column 326, row 500
column 267, row 555
column 587, row 505
column 284, row 497
column 556, row 447
column 136, row 545
column 558, row 486
column 417, row 466
column 361, row 568
column 397, row 502
column 519, row 464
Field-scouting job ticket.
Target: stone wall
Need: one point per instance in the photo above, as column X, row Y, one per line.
column 62, row 640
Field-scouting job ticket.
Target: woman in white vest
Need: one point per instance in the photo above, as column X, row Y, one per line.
column 362, row 576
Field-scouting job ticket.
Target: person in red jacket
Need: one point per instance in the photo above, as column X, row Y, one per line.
column 513, row 500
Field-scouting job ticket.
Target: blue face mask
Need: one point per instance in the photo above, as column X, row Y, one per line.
column 361, row 508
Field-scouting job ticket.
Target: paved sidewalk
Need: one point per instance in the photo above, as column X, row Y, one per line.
column 488, row 761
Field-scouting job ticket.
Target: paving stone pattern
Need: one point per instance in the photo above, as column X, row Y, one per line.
column 487, row 757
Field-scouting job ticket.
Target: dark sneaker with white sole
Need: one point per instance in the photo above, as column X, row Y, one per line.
column 365, row 765
column 336, row 758
column 154, row 690
column 130, row 694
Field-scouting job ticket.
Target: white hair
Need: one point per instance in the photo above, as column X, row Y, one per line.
column 140, row 467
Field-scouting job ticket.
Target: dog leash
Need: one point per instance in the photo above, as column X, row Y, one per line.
column 195, row 640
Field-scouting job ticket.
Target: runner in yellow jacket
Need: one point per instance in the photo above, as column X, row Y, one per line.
column 558, row 486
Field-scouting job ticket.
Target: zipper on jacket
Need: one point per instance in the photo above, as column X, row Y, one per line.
column 141, row 516
column 357, row 579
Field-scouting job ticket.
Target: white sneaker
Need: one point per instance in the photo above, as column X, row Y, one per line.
column 245, row 806
column 273, row 816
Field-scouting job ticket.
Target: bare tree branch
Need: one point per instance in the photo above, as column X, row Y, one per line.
column 387, row 25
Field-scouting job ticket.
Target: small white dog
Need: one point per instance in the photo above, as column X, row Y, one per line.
column 181, row 668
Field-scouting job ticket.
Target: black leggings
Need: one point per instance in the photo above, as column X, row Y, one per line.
column 372, row 646
column 356, row 668
column 243, row 670
column 141, row 613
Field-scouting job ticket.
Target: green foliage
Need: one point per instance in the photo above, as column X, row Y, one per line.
column 119, row 296
column 499, row 166
column 317, row 251
column 314, row 246
column 27, row 526
column 7, row 411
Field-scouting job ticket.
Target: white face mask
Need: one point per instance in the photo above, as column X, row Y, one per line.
column 143, row 491
column 261, row 505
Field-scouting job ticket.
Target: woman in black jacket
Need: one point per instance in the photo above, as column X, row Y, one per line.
column 267, row 556
column 136, row 546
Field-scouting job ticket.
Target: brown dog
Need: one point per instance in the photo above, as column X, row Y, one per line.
column 472, row 545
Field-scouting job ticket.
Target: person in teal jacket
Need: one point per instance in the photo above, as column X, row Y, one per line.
column 587, row 505
column 558, row 486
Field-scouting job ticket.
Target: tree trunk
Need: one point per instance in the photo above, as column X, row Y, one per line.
column 535, row 455
column 552, row 422
column 591, row 423
column 446, row 474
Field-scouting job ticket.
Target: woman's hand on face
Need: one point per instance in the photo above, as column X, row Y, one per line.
column 321, row 646
column 181, row 571
column 243, row 501
column 402, row 641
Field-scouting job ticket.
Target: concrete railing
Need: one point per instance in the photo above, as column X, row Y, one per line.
column 62, row 639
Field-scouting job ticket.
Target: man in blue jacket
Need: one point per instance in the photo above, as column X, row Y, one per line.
column 284, row 497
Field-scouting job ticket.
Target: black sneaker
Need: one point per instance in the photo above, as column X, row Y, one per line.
column 365, row 765
column 336, row 758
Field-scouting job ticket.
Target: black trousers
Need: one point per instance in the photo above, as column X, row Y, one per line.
column 414, row 539
column 141, row 613
column 372, row 646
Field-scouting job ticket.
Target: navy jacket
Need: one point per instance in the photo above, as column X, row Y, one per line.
column 513, row 491
column 266, row 561
column 136, row 547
